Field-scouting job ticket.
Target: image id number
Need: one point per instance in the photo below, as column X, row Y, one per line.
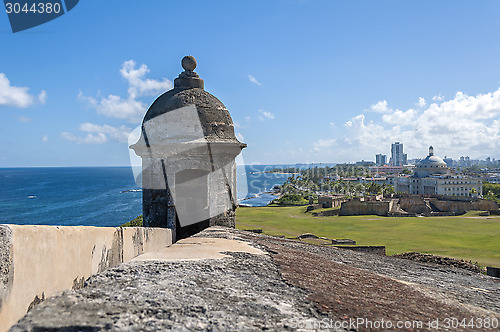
column 40, row 8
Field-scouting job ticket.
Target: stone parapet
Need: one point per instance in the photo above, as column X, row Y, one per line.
column 225, row 279
column 39, row 261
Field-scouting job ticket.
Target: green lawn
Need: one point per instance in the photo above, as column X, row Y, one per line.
column 467, row 237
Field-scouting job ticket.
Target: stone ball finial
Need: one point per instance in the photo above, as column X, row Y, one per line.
column 188, row 63
column 188, row 79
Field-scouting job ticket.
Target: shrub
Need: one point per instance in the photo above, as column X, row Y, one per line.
column 137, row 222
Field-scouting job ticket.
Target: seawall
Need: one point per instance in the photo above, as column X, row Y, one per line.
column 39, row 261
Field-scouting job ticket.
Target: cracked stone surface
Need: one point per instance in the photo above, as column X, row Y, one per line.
column 241, row 292
column 293, row 283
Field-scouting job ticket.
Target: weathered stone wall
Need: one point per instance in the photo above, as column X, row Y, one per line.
column 376, row 250
column 312, row 207
column 485, row 205
column 414, row 204
column 327, row 213
column 325, row 202
column 456, row 198
column 226, row 219
column 425, row 204
column 164, row 206
column 355, row 207
column 330, row 202
column 292, row 283
column 38, row 261
column 223, row 196
column 462, row 207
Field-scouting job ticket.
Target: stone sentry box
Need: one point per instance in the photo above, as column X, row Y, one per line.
column 188, row 150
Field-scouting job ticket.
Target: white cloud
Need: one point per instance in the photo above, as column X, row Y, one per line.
column 119, row 134
column 421, row 102
column 42, row 97
column 463, row 125
column 400, row 117
column 15, row 96
column 439, row 97
column 129, row 108
column 114, row 106
column 247, row 118
column 138, row 85
column 24, row 119
column 324, row 143
column 45, row 138
column 266, row 115
column 99, row 134
column 254, row 80
column 89, row 139
column 380, row 107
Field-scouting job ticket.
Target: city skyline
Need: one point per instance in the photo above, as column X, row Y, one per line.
column 381, row 158
column 304, row 81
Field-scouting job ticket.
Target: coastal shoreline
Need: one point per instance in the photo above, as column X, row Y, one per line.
column 259, row 195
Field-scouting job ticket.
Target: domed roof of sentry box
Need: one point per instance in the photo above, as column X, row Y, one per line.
column 188, row 90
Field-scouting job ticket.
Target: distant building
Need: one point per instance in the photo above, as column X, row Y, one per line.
column 397, row 155
column 433, row 177
column 465, row 161
column 448, row 161
column 380, row 159
column 364, row 163
column 377, row 180
column 492, row 177
column 390, row 180
column 387, row 169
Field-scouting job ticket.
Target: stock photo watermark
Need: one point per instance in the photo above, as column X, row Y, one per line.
column 385, row 324
column 27, row 14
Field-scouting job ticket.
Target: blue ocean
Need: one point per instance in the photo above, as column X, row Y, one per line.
column 98, row 196
column 94, row 196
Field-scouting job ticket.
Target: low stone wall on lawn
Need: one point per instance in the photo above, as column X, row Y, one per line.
column 414, row 204
column 356, row 207
column 461, row 207
column 376, row 250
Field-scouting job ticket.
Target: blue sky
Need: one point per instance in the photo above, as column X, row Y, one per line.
column 305, row 81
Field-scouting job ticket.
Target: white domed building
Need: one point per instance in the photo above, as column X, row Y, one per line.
column 431, row 165
column 432, row 176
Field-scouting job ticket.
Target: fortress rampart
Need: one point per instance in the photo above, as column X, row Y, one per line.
column 418, row 204
column 226, row 279
column 39, row 261
column 357, row 207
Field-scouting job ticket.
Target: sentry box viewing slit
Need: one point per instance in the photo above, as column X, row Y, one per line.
column 188, row 150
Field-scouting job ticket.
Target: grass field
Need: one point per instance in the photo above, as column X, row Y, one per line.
column 468, row 237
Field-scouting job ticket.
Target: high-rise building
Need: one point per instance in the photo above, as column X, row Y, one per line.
column 448, row 161
column 397, row 155
column 380, row 159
